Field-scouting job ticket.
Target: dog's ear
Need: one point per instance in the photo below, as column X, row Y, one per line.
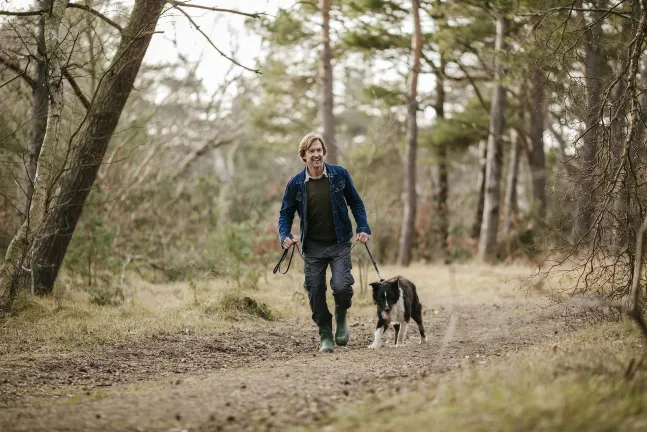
column 375, row 285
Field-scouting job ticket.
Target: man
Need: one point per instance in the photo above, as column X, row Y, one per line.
column 321, row 194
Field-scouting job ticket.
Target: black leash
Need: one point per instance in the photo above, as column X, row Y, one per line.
column 373, row 261
column 277, row 267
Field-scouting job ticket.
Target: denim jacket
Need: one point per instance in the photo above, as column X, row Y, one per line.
column 342, row 195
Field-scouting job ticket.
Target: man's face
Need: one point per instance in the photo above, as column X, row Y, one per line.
column 315, row 156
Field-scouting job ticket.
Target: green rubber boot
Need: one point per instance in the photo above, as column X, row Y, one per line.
column 326, row 344
column 341, row 329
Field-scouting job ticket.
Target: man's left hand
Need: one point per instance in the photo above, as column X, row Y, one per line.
column 363, row 237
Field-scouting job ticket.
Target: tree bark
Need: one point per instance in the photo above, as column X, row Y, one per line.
column 592, row 65
column 510, row 201
column 490, row 225
column 409, row 198
column 328, row 118
column 39, row 110
column 45, row 171
column 623, row 224
column 480, row 186
column 75, row 185
column 536, row 156
column 441, row 159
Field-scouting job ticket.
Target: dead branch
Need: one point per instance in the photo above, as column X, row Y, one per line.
column 77, row 90
column 69, row 5
column 214, row 9
column 16, row 68
column 97, row 14
column 192, row 21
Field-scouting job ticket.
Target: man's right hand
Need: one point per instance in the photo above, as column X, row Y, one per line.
column 288, row 241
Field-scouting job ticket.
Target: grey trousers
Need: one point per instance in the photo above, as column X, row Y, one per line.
column 317, row 259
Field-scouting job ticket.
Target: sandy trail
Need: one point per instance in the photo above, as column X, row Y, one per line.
column 265, row 378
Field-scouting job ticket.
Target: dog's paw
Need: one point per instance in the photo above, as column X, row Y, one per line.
column 373, row 346
column 423, row 340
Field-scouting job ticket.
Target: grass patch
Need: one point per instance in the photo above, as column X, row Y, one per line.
column 576, row 384
column 72, row 318
column 232, row 303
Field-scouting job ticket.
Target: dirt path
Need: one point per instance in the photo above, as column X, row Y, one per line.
column 267, row 378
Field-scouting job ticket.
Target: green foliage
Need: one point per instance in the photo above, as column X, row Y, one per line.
column 287, row 29
column 392, row 97
column 91, row 253
column 461, row 130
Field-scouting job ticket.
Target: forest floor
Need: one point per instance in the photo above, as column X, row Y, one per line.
column 170, row 359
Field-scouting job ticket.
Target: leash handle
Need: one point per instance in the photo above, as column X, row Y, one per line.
column 277, row 267
column 374, row 263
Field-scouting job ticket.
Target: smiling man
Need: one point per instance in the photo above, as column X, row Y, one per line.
column 321, row 194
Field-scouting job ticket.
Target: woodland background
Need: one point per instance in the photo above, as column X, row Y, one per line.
column 528, row 143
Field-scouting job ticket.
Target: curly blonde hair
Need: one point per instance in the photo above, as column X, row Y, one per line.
column 307, row 141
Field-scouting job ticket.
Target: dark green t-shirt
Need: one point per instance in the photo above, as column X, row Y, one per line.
column 321, row 227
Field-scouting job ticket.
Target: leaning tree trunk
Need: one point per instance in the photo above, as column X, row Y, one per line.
column 31, row 228
column 39, row 110
column 480, row 186
column 536, row 156
column 409, row 199
column 592, row 65
column 441, row 159
column 490, row 225
column 328, row 118
column 102, row 117
column 510, row 200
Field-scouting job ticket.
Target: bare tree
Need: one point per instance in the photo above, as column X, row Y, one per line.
column 46, row 169
column 409, row 198
column 536, row 156
column 39, row 110
column 592, row 65
column 74, row 186
column 489, row 227
column 441, row 156
column 480, row 187
column 328, row 118
column 510, row 201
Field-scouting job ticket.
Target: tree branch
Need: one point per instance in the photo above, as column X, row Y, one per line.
column 176, row 3
column 77, row 90
column 70, row 5
column 16, row 68
column 20, row 14
column 475, row 87
column 97, row 14
column 208, row 39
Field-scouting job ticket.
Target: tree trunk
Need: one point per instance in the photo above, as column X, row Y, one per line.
column 623, row 225
column 31, row 228
column 441, row 159
column 39, row 110
column 409, row 199
column 480, row 186
column 112, row 94
column 510, row 201
column 536, row 157
column 592, row 64
column 327, row 99
column 490, row 225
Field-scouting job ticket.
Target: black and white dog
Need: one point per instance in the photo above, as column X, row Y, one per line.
column 397, row 302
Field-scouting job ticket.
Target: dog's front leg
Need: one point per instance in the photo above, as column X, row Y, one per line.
column 379, row 331
column 402, row 334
